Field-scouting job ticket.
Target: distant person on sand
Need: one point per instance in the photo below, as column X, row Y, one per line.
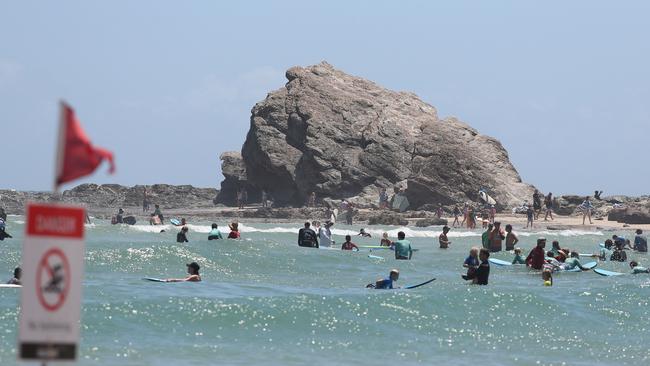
column 536, row 257
column 530, row 217
column 145, row 200
column 465, row 213
column 215, row 233
column 439, row 211
column 234, row 231
column 485, row 237
column 181, row 237
column 312, row 200
column 496, row 238
column 386, row 283
column 307, row 237
column 471, row 218
column 548, row 202
column 349, row 245
column 385, row 242
column 16, row 279
column 442, row 238
column 158, row 213
column 383, row 199
column 265, row 200
column 193, row 274
column 364, row 234
column 457, row 214
column 403, row 248
column 640, row 242
column 537, row 204
column 586, row 208
column 511, row 238
column 492, row 213
column 325, row 235
column 349, row 215
column 483, row 270
column 597, row 194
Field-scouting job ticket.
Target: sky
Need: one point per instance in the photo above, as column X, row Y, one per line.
column 169, row 85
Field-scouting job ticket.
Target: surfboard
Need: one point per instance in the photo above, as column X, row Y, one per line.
column 589, row 265
column 3, row 285
column 499, row 262
column 375, row 257
column 153, row 279
column 606, row 273
column 334, row 215
column 419, row 284
column 175, row 222
column 373, row 247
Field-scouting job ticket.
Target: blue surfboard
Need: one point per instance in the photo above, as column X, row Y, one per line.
column 499, row 262
column 606, row 273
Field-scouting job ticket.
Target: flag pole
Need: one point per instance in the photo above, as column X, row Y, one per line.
column 60, row 142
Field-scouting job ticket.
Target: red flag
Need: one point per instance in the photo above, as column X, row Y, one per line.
column 76, row 156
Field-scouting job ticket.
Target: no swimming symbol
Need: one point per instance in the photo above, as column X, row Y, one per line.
column 53, row 279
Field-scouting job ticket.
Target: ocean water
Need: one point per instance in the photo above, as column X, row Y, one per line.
column 264, row 300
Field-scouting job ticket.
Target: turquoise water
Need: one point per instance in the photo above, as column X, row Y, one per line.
column 266, row 301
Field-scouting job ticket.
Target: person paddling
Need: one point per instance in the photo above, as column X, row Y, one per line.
column 16, row 279
column 193, row 274
column 386, row 283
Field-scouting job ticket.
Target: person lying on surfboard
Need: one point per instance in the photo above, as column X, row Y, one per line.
column 363, row 233
column 573, row 262
column 386, row 283
column 18, row 273
column 636, row 268
column 193, row 271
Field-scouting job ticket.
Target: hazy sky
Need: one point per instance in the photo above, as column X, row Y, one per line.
column 168, row 85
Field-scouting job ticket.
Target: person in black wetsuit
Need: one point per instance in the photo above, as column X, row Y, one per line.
column 181, row 237
column 483, row 270
column 307, row 237
column 3, row 233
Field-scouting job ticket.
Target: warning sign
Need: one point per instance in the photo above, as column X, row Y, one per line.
column 53, row 257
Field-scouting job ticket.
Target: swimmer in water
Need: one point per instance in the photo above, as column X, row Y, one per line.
column 193, row 274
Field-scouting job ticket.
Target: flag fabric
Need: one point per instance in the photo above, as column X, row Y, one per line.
column 76, row 155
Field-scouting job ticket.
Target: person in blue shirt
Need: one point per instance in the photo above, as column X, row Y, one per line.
column 215, row 234
column 386, row 283
column 471, row 263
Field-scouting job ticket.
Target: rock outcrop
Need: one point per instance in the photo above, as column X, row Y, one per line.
column 113, row 196
column 342, row 136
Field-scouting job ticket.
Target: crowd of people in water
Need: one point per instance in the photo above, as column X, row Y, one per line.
column 477, row 263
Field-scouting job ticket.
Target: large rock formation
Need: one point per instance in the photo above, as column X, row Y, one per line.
column 343, row 136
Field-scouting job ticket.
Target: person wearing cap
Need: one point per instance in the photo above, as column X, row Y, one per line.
column 443, row 239
column 536, row 257
column 193, row 274
column 325, row 234
column 234, row 230
column 386, row 283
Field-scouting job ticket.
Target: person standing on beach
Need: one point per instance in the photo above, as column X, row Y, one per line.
column 439, row 211
column 403, row 250
column 265, row 200
column 485, row 237
column 145, row 200
column 383, row 199
column 530, row 215
column 443, row 240
column 492, row 213
column 349, row 215
column 471, row 219
column 465, row 211
column 537, row 204
column 496, row 238
column 307, row 237
column 312, row 200
column 456, row 215
column 511, row 238
column 548, row 202
column 586, row 207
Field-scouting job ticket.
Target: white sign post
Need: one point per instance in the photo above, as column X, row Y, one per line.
column 53, row 266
